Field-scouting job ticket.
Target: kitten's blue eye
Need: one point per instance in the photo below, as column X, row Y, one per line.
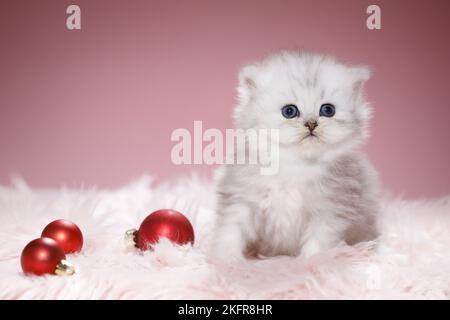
column 327, row 110
column 290, row 111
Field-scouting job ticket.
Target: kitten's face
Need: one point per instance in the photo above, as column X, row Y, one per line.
column 315, row 102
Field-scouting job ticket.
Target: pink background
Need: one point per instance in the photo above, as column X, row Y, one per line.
column 97, row 106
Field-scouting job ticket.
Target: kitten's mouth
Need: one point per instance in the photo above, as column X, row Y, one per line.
column 309, row 136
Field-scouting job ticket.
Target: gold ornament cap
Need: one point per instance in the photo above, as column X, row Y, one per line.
column 64, row 268
column 130, row 237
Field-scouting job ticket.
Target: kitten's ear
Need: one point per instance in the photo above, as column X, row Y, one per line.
column 247, row 83
column 360, row 75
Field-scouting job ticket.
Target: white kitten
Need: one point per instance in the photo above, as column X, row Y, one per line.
column 324, row 191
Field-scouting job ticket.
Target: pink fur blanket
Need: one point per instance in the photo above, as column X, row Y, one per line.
column 411, row 259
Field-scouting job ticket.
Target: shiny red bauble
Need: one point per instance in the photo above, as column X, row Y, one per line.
column 41, row 256
column 167, row 223
column 66, row 234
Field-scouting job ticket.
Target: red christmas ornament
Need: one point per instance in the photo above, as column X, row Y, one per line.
column 45, row 256
column 167, row 223
column 66, row 233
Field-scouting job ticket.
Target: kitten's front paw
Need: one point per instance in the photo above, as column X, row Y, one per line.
column 222, row 254
column 228, row 244
column 308, row 250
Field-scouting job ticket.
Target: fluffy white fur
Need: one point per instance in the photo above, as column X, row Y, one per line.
column 412, row 259
column 325, row 191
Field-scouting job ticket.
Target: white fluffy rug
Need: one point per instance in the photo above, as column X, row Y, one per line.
column 411, row 260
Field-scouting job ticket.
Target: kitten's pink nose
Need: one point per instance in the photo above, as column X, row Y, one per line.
column 311, row 125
